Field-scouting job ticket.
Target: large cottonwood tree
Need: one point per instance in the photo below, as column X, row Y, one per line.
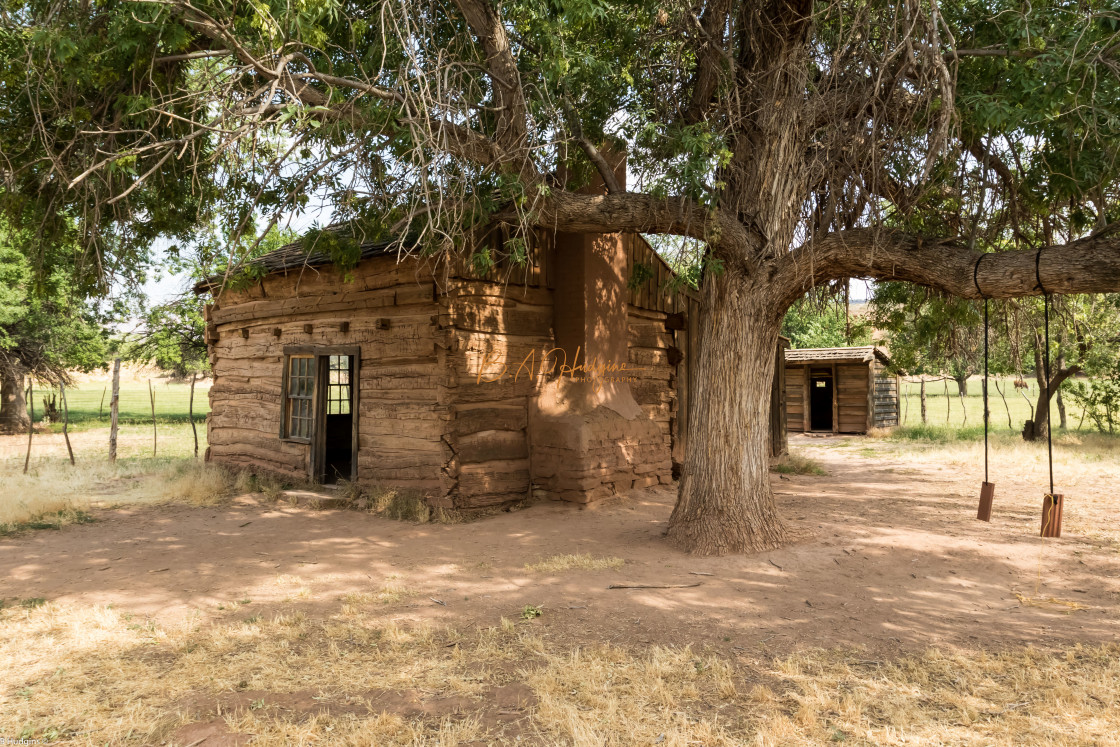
column 799, row 143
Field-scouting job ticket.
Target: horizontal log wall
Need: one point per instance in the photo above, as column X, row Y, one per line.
column 655, row 389
column 387, row 309
column 498, row 337
column 449, row 368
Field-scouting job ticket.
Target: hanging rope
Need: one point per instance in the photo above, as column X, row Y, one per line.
column 1046, row 365
column 976, row 282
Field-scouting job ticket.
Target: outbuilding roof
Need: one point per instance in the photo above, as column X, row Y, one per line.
column 862, row 354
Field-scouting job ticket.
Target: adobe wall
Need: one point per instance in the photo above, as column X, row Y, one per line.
column 518, row 425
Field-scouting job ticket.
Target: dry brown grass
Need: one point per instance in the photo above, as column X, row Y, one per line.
column 97, row 676
column 400, row 505
column 580, row 562
column 797, row 463
column 1086, row 469
column 63, row 493
column 392, row 591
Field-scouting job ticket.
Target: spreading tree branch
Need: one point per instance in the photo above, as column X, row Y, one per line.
column 1089, row 265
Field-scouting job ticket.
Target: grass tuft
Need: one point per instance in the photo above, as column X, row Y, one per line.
column 797, row 464
column 581, row 562
column 400, row 505
column 46, row 520
column 197, row 483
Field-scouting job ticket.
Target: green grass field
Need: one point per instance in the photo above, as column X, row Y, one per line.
column 948, row 411
column 89, row 404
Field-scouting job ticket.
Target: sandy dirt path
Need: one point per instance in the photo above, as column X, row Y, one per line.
column 886, row 555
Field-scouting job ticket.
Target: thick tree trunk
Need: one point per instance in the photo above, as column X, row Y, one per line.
column 962, row 385
column 13, row 407
column 726, row 504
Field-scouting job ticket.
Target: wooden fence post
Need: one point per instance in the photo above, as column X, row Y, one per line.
column 101, row 407
column 114, row 408
column 190, row 414
column 152, row 398
column 31, row 422
column 66, row 421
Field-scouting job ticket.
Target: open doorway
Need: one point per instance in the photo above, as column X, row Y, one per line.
column 820, row 401
column 337, row 405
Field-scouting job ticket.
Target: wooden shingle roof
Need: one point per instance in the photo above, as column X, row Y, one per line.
column 862, row 354
column 294, row 256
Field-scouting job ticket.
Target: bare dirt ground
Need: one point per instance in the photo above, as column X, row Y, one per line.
column 887, row 555
column 892, row 618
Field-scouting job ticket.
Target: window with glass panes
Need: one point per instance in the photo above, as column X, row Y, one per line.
column 338, row 388
column 301, row 389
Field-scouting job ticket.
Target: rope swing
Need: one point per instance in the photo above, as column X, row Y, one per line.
column 1052, row 502
column 987, row 489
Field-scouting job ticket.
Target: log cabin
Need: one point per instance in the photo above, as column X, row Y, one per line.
column 567, row 380
column 563, row 373
column 840, row 390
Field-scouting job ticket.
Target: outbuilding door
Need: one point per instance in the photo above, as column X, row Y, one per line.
column 821, row 399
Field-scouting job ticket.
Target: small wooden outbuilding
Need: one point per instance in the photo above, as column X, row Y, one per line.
column 840, row 390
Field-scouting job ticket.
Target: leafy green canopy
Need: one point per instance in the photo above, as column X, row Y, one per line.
column 174, row 338
column 47, row 327
column 824, row 323
column 141, row 119
column 126, row 120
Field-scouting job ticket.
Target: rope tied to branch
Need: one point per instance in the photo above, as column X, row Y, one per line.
column 976, row 282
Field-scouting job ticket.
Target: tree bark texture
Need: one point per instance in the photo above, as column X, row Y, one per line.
column 1035, row 428
column 66, row 421
column 726, row 504
column 13, row 406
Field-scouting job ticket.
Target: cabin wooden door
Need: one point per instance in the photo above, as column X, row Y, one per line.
column 334, row 438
